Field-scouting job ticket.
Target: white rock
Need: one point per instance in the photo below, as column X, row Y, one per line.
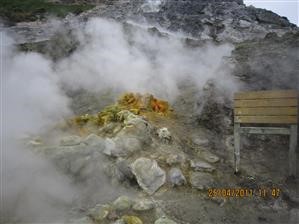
column 164, row 135
column 149, row 175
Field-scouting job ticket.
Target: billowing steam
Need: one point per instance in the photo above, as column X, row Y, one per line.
column 33, row 191
column 132, row 59
column 110, row 55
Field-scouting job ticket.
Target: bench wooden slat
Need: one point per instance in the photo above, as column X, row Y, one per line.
column 267, row 94
column 265, row 130
column 266, row 103
column 266, row 119
column 267, row 111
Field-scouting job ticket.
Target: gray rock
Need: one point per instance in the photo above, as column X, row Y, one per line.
column 164, row 135
column 175, row 159
column 111, row 148
column 122, row 203
column 208, row 156
column 195, row 18
column 128, row 144
column 201, row 180
column 149, row 175
column 164, row 220
column 70, row 140
column 200, row 141
column 244, row 24
column 152, row 6
column 99, row 212
column 121, row 146
column 123, row 171
column 143, row 205
column 135, row 127
column 176, row 177
column 200, row 165
column 94, row 141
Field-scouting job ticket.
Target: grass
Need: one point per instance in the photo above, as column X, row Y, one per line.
column 30, row 10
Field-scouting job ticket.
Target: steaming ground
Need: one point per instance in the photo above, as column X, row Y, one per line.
column 110, row 56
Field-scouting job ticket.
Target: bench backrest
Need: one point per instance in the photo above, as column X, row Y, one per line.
column 266, row 107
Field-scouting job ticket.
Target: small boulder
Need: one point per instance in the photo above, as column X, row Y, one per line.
column 200, row 165
column 208, row 156
column 164, row 135
column 128, row 144
column 164, row 220
column 176, row 177
column 99, row 213
column 201, row 180
column 143, row 205
column 130, row 219
column 149, row 175
column 70, row 140
column 111, row 148
column 94, row 141
column 200, row 141
column 123, row 171
column 175, row 159
column 122, row 203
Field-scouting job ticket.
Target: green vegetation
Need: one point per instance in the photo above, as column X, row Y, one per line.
column 31, row 10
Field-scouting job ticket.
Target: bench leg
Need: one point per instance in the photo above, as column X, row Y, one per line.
column 237, row 143
column 292, row 151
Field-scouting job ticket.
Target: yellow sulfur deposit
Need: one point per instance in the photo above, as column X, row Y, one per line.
column 136, row 103
column 131, row 219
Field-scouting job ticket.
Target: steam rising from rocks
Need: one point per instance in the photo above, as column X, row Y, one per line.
column 132, row 59
column 110, row 55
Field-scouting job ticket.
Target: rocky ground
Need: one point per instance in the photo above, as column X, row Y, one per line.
column 144, row 160
column 157, row 168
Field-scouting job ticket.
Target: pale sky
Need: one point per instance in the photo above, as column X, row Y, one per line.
column 287, row 8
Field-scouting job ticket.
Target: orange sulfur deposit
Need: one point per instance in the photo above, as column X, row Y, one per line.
column 146, row 103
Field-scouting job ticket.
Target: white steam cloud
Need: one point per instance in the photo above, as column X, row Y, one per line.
column 33, row 191
column 136, row 60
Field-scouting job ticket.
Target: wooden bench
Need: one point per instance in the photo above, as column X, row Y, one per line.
column 255, row 111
